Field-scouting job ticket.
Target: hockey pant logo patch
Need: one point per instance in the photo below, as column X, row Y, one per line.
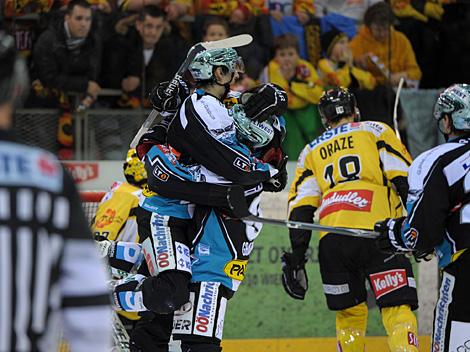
column 387, row 281
column 208, row 312
column 442, row 312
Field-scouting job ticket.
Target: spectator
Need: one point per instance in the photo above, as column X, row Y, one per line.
column 420, row 24
column 336, row 68
column 385, row 52
column 300, row 80
column 353, row 10
column 150, row 56
column 67, row 55
column 215, row 28
column 66, row 59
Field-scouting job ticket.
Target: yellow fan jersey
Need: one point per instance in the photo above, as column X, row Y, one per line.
column 346, row 174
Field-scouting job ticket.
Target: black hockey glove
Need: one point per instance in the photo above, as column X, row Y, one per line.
column 238, row 206
column 390, row 240
column 294, row 275
column 168, row 103
column 279, row 181
column 264, row 101
column 151, row 333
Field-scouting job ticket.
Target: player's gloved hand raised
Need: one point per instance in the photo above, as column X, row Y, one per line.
column 127, row 294
column 162, row 102
column 390, row 239
column 263, row 101
column 294, row 275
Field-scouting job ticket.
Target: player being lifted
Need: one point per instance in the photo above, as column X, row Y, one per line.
column 439, row 217
column 349, row 175
column 203, row 133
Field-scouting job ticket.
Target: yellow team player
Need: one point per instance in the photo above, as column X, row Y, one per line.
column 115, row 219
column 347, row 175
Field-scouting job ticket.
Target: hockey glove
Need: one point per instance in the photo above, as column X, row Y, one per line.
column 237, row 203
column 294, row 275
column 264, row 101
column 168, row 103
column 127, row 293
column 390, row 240
column 279, row 181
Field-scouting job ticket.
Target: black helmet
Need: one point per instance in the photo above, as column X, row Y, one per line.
column 335, row 104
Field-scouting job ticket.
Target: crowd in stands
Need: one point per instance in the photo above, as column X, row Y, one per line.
column 80, row 50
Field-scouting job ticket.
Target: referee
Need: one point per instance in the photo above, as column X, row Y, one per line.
column 51, row 278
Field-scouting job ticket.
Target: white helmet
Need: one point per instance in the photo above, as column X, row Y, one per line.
column 455, row 102
column 258, row 134
column 202, row 67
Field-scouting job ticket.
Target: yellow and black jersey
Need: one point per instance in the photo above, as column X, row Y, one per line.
column 114, row 218
column 346, row 175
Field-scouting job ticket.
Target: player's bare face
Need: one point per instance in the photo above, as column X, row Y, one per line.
column 215, row 32
column 380, row 32
column 79, row 22
column 287, row 58
column 150, row 29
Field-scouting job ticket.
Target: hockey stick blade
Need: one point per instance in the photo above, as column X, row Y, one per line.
column 231, row 42
column 120, row 336
column 315, row 227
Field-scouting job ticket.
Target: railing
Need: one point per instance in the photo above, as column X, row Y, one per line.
column 105, row 134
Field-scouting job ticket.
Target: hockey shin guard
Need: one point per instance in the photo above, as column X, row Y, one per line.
column 351, row 327
column 402, row 328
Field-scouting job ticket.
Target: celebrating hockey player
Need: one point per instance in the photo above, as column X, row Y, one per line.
column 350, row 174
column 439, row 217
column 164, row 222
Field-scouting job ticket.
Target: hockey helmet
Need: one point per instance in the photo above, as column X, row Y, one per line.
column 134, row 169
column 203, row 66
column 335, row 104
column 455, row 102
column 257, row 134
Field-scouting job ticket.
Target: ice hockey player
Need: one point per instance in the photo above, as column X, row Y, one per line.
column 168, row 218
column 115, row 225
column 439, row 218
column 349, row 175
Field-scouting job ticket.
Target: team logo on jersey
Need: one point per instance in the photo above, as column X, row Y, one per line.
column 388, row 281
column 160, row 174
column 106, row 219
column 236, row 269
column 241, row 164
column 355, row 200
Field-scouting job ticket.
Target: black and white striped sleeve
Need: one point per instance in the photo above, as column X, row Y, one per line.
column 85, row 296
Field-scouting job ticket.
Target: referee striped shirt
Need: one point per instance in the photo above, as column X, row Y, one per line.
column 52, row 280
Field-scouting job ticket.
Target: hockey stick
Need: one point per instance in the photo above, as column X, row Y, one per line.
column 315, row 227
column 231, row 42
column 120, row 335
column 395, row 108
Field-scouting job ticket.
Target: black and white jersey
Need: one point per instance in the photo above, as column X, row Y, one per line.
column 438, row 200
column 51, row 277
column 203, row 129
